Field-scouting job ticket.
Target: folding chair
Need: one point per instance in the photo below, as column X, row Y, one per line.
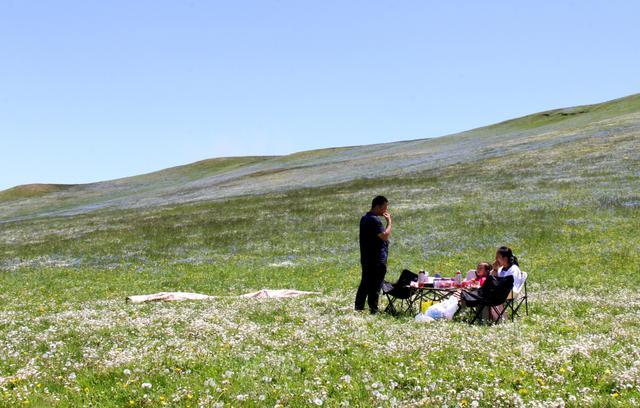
column 495, row 309
column 494, row 299
column 399, row 294
column 518, row 297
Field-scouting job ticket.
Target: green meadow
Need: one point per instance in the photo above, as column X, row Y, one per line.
column 563, row 191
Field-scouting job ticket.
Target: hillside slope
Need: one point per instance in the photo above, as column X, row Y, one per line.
column 227, row 177
column 561, row 188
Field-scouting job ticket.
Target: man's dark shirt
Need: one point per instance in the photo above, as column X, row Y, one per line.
column 372, row 249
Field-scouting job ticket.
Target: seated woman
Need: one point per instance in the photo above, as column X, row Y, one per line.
column 506, row 264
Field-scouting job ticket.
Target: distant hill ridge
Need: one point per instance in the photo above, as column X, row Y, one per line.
column 32, row 190
column 233, row 176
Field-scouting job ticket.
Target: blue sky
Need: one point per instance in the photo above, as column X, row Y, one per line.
column 95, row 90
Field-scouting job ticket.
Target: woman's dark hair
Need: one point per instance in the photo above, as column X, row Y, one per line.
column 506, row 252
column 379, row 200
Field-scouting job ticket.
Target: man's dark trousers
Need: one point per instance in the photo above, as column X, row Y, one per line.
column 370, row 284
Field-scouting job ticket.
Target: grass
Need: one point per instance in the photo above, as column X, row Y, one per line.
column 569, row 210
column 577, row 114
column 32, row 190
column 224, row 178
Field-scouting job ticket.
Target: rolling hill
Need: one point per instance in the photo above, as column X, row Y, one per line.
column 561, row 188
column 221, row 178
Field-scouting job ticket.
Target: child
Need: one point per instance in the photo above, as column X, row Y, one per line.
column 480, row 273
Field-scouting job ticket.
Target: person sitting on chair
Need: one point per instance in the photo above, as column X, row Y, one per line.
column 506, row 264
column 497, row 286
column 480, row 273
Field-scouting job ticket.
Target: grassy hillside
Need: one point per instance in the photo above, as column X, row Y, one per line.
column 47, row 199
column 222, row 178
column 579, row 114
column 563, row 194
column 31, row 191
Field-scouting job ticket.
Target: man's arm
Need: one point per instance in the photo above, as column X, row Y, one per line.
column 384, row 235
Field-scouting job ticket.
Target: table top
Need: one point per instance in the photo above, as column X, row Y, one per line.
column 431, row 288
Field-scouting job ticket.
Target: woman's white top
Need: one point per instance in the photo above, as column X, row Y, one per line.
column 513, row 271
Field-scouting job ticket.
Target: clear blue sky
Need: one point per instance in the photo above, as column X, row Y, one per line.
column 95, row 90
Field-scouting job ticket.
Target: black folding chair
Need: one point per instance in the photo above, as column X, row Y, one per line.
column 399, row 294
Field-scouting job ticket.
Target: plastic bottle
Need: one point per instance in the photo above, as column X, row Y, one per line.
column 421, row 279
column 458, row 278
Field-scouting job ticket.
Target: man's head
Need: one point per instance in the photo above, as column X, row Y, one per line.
column 379, row 205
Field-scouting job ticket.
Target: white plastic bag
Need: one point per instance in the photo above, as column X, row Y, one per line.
column 423, row 318
column 450, row 307
column 443, row 310
column 435, row 312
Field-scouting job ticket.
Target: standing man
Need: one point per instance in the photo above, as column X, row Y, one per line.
column 374, row 248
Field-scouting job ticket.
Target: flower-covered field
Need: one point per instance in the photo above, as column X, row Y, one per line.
column 570, row 211
column 318, row 352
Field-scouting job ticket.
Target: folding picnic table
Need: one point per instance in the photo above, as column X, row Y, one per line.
column 429, row 293
column 402, row 296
